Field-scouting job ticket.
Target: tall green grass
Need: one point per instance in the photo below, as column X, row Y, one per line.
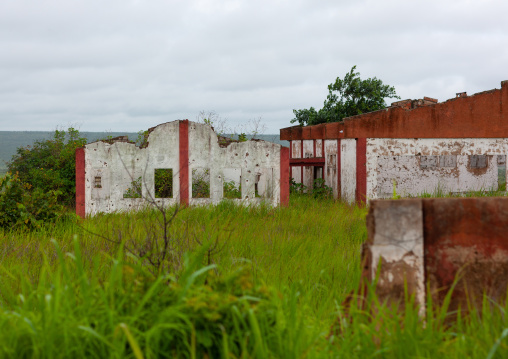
column 273, row 287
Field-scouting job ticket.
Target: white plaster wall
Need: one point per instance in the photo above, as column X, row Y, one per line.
column 296, row 149
column 319, row 148
column 308, row 171
column 331, row 158
column 400, row 159
column 348, row 169
column 296, row 152
column 253, row 157
column 297, row 174
column 119, row 163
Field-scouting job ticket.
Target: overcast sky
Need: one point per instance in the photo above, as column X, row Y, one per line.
column 126, row 65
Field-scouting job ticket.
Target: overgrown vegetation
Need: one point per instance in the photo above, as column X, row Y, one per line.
column 22, row 206
column 163, row 183
column 319, row 189
column 232, row 190
column 276, row 288
column 200, row 183
column 50, row 165
column 135, row 189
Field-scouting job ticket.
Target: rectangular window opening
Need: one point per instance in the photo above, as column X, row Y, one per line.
column 98, row 182
column 263, row 183
column 134, row 190
column 478, row 161
column 232, row 187
column 428, row 161
column 163, row 180
column 201, row 183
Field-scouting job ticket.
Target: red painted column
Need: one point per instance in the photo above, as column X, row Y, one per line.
column 80, row 182
column 284, row 176
column 361, row 171
column 184, row 162
column 339, row 170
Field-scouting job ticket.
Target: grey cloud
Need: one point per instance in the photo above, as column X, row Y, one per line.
column 128, row 65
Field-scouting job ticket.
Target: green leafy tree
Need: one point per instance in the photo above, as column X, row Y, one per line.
column 50, row 165
column 24, row 206
column 347, row 97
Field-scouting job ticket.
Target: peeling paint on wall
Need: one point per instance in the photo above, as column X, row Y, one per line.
column 331, row 165
column 121, row 166
column 348, row 169
column 420, row 166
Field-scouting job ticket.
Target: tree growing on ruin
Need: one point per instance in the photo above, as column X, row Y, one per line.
column 347, row 97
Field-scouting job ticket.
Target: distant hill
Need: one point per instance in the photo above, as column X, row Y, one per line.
column 11, row 140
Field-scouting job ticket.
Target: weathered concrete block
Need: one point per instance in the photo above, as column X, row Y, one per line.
column 395, row 243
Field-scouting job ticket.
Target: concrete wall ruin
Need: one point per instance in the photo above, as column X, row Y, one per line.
column 421, row 146
column 193, row 163
column 417, row 243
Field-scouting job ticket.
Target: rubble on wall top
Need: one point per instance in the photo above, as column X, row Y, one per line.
column 411, row 104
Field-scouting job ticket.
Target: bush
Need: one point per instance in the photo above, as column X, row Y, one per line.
column 50, row 165
column 22, row 205
column 319, row 189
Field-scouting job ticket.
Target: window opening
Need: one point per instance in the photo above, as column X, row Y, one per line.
column 134, row 190
column 232, row 187
column 163, row 181
column 98, row 182
column 478, row 161
column 201, row 183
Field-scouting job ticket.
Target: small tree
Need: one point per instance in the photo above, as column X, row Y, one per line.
column 347, row 97
column 50, row 165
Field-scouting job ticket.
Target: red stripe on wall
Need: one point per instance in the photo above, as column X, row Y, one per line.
column 184, row 162
column 361, row 170
column 284, row 176
column 80, row 182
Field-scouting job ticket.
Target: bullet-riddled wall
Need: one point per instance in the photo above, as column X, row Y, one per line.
column 413, row 147
column 182, row 162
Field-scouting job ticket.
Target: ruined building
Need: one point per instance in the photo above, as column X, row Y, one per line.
column 416, row 146
column 180, row 162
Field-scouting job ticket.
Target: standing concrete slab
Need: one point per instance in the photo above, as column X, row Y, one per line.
column 395, row 243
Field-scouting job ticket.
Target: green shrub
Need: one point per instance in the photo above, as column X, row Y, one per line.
column 22, row 205
column 134, row 191
column 50, row 165
column 319, row 189
column 231, row 191
column 200, row 183
column 163, row 183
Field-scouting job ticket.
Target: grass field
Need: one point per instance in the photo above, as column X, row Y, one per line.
column 239, row 282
